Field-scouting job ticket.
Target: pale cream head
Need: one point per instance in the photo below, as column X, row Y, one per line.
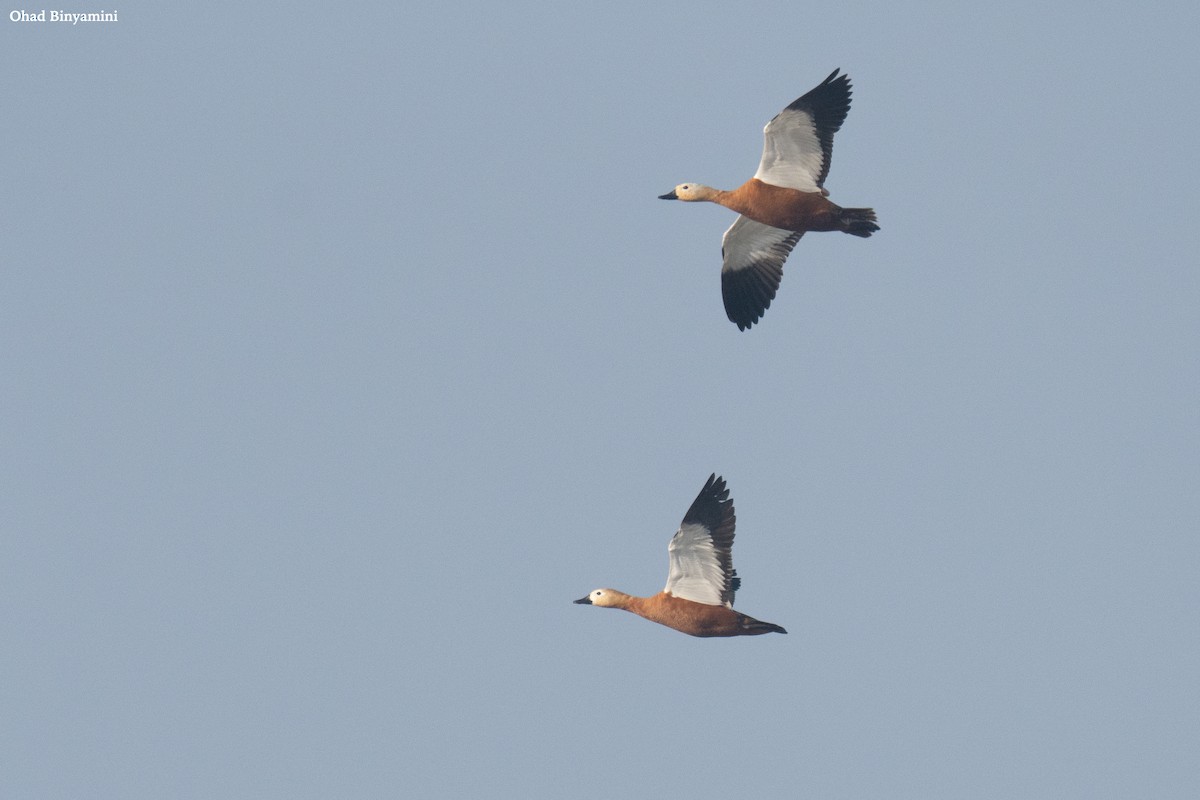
column 690, row 192
column 602, row 597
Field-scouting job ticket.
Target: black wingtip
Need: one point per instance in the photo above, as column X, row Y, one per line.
column 748, row 293
column 711, row 505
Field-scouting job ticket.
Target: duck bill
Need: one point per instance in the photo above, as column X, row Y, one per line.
column 587, row 601
column 669, row 196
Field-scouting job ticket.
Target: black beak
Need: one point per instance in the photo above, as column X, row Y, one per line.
column 583, row 600
column 669, row 196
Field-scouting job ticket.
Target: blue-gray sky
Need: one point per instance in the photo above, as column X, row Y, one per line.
column 345, row 346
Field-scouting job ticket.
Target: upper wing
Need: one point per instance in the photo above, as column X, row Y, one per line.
column 753, row 256
column 701, row 550
column 798, row 142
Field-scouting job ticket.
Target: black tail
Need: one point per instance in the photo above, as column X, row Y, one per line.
column 859, row 221
column 754, row 627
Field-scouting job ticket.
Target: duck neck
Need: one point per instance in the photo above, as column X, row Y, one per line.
column 711, row 195
column 625, row 602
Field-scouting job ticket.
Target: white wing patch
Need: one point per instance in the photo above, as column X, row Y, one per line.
column 747, row 243
column 792, row 155
column 695, row 573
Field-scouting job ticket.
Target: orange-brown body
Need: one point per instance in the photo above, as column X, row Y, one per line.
column 687, row 616
column 781, row 207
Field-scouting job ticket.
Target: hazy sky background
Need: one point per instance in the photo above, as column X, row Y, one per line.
column 344, row 346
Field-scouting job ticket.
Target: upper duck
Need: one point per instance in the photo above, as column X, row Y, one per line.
column 785, row 199
column 698, row 598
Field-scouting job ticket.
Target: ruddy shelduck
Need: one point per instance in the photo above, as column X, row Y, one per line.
column 785, row 199
column 698, row 598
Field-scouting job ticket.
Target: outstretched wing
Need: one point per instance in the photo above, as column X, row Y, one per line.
column 753, row 256
column 701, row 550
column 798, row 142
